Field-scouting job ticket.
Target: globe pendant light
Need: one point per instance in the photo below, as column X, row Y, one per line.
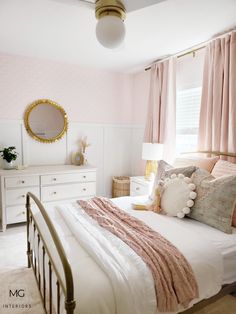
column 110, row 30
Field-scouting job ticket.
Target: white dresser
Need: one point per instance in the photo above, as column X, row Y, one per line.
column 48, row 183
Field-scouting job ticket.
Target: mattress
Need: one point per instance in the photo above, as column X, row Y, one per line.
column 83, row 265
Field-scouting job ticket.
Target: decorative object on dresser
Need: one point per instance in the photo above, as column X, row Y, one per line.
column 48, row 183
column 120, row 186
column 140, row 186
column 9, row 156
column 45, row 121
column 151, row 152
column 80, row 158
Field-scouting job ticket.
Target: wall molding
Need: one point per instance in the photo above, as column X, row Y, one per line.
column 115, row 148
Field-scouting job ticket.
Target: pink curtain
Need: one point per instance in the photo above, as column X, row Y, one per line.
column 217, row 126
column 160, row 123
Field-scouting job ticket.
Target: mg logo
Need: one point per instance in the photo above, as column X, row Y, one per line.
column 17, row 293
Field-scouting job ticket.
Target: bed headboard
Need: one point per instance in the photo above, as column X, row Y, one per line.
column 231, row 157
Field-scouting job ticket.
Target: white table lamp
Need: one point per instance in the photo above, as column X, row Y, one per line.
column 151, row 152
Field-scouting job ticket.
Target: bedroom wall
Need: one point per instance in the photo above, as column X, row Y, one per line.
column 99, row 105
column 140, row 96
column 87, row 95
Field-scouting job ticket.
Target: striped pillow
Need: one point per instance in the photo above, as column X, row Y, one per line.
column 222, row 168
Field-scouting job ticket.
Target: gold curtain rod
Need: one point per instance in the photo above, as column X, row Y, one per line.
column 192, row 49
column 180, row 55
column 190, row 52
column 209, row 152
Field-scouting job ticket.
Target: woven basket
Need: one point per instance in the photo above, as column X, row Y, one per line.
column 120, row 186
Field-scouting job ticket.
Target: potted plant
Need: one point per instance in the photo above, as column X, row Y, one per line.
column 9, row 156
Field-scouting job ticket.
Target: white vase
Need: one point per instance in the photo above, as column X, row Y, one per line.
column 8, row 165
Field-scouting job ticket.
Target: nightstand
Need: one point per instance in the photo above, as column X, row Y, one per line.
column 140, row 186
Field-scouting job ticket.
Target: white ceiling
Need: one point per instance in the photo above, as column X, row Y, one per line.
column 64, row 30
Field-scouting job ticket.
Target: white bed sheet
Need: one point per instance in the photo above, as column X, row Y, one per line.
column 226, row 243
column 81, row 260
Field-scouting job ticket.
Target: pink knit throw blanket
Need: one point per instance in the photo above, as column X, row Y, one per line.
column 173, row 276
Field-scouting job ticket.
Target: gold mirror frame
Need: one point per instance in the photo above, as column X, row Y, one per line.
column 31, row 132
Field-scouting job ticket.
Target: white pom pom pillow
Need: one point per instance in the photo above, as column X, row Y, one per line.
column 177, row 195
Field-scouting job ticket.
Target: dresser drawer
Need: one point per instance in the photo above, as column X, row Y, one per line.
column 17, row 182
column 60, row 192
column 18, row 196
column 138, row 189
column 68, row 178
column 16, row 214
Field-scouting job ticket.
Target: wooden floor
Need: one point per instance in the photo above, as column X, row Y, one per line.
column 15, row 275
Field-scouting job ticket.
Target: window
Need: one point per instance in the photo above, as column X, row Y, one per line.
column 188, row 101
column 187, row 119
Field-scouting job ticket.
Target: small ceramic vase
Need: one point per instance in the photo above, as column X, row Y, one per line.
column 8, row 165
column 79, row 159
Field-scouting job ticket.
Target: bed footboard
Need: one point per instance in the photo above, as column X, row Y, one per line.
column 40, row 259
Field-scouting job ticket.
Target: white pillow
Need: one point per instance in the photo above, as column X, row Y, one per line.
column 177, row 195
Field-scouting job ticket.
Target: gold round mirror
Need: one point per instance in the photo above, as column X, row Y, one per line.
column 45, row 121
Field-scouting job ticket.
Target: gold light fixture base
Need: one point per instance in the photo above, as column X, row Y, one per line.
column 110, row 7
column 151, row 167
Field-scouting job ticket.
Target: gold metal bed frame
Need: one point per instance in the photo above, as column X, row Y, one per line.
column 33, row 260
column 38, row 243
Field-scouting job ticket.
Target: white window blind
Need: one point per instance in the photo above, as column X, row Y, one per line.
column 187, row 119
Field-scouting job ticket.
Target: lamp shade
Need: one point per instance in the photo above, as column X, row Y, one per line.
column 152, row 151
column 110, row 31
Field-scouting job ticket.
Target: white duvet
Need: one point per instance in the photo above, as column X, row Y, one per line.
column 112, row 279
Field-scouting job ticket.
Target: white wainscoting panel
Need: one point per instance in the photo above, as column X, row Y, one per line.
column 37, row 153
column 117, row 154
column 115, row 149
column 94, row 152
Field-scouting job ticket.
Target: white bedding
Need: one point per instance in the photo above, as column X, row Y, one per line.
column 208, row 250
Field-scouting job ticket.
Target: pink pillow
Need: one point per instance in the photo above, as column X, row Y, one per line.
column 200, row 162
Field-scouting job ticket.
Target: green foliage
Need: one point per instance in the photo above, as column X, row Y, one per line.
column 9, row 153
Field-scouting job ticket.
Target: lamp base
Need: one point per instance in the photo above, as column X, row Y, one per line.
column 151, row 169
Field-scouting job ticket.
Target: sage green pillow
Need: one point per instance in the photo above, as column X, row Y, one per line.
column 215, row 200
